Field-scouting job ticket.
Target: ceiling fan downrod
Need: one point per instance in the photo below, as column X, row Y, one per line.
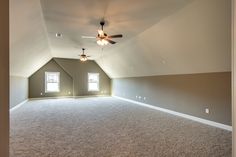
column 83, row 50
column 102, row 23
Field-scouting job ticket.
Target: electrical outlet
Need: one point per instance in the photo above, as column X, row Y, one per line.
column 136, row 97
column 41, row 93
column 144, row 98
column 140, row 97
column 69, row 92
column 207, row 110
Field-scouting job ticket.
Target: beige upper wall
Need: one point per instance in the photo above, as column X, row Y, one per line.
column 172, row 37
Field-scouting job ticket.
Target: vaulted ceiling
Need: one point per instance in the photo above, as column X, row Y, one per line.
column 160, row 36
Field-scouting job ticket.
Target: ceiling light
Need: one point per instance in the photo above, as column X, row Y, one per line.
column 83, row 58
column 102, row 42
column 58, row 35
column 102, row 37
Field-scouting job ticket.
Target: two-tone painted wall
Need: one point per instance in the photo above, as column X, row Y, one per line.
column 188, row 93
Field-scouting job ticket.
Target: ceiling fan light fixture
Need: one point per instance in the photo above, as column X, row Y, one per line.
column 102, row 38
column 83, row 59
column 105, row 41
column 102, row 42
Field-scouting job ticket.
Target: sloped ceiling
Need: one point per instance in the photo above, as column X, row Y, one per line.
column 196, row 39
column 29, row 48
column 160, row 36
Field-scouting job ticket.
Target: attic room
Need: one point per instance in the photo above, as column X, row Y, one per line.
column 150, row 78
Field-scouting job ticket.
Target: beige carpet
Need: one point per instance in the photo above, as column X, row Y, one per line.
column 108, row 127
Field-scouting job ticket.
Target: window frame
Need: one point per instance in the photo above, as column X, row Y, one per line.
column 98, row 82
column 46, row 73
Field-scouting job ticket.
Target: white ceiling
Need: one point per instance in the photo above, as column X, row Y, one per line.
column 29, row 48
column 160, row 36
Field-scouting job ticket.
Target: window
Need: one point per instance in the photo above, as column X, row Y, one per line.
column 93, row 82
column 52, row 82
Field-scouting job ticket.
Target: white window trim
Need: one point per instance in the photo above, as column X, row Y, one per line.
column 46, row 82
column 98, row 82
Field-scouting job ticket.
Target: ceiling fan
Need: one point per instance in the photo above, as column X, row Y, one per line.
column 83, row 57
column 103, row 38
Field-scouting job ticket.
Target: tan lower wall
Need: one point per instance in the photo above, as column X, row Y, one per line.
column 190, row 94
column 37, row 82
column 74, row 79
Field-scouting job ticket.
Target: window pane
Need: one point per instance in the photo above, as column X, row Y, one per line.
column 93, row 81
column 93, row 86
column 52, row 87
column 52, row 77
column 52, row 81
column 93, row 78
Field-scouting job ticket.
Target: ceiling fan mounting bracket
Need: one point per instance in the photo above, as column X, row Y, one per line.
column 102, row 23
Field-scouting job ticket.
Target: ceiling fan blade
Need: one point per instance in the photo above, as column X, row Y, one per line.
column 110, row 41
column 88, row 37
column 116, row 36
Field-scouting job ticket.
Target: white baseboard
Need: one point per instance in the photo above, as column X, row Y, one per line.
column 59, row 97
column 19, row 105
column 201, row 120
column 63, row 97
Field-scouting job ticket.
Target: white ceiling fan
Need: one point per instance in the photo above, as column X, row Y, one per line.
column 83, row 56
column 102, row 37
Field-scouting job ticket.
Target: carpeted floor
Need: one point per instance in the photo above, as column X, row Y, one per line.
column 108, row 127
